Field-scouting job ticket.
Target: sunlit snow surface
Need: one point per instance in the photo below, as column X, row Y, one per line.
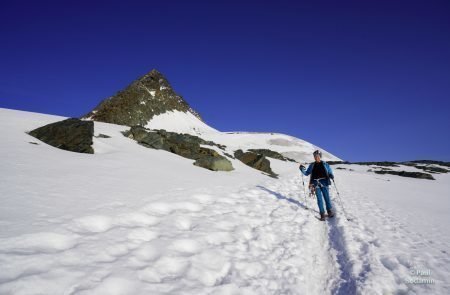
column 132, row 220
column 289, row 146
column 179, row 122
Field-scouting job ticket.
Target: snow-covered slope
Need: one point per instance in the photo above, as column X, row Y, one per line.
column 288, row 146
column 132, row 220
column 180, row 122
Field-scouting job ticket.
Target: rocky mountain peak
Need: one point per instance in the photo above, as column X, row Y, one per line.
column 139, row 102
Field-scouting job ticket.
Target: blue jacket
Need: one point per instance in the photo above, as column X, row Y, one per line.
column 327, row 170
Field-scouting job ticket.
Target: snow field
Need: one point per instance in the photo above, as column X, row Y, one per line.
column 214, row 243
column 111, row 223
column 251, row 241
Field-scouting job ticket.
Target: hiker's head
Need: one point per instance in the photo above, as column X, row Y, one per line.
column 317, row 156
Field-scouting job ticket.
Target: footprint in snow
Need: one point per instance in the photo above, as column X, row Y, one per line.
column 250, row 270
column 161, row 208
column 113, row 286
column 136, row 219
column 189, row 206
column 164, row 269
column 210, row 268
column 389, row 262
column 229, row 201
column 91, row 224
column 36, row 243
column 142, row 234
column 183, row 223
column 203, row 198
column 117, row 250
column 225, row 225
column 219, row 238
column 146, row 253
column 186, row 246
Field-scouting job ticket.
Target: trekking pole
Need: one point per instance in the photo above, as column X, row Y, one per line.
column 304, row 190
column 340, row 201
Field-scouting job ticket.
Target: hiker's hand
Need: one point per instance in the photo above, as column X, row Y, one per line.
column 302, row 167
column 332, row 176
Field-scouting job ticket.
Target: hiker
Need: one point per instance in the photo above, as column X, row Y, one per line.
column 319, row 181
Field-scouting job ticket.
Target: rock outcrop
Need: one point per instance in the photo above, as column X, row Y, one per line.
column 420, row 175
column 71, row 134
column 140, row 101
column 271, row 154
column 185, row 145
column 214, row 163
column 254, row 160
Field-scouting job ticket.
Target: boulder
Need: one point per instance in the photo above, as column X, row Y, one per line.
column 214, row 163
column 254, row 160
column 271, row 154
column 101, row 135
column 71, row 134
column 185, row 145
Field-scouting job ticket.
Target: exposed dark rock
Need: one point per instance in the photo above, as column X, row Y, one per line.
column 161, row 139
column 427, row 167
column 229, row 156
column 214, row 163
column 432, row 169
column 72, row 135
column 385, row 170
column 342, row 168
column 102, row 136
column 144, row 98
column 32, row 142
column 384, row 163
column 420, row 175
column 185, row 145
column 447, row 164
column 271, row 154
column 337, row 162
column 254, row 160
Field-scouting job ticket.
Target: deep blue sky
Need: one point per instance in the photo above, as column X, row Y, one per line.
column 365, row 80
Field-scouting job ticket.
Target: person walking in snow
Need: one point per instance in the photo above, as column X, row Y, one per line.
column 321, row 174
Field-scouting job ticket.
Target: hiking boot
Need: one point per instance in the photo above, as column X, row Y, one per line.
column 330, row 213
column 322, row 217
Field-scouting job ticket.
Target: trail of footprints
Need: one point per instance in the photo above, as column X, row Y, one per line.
column 253, row 241
column 169, row 246
column 390, row 257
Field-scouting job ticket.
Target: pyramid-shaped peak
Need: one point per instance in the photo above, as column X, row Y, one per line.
column 154, row 74
column 154, row 79
column 139, row 102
